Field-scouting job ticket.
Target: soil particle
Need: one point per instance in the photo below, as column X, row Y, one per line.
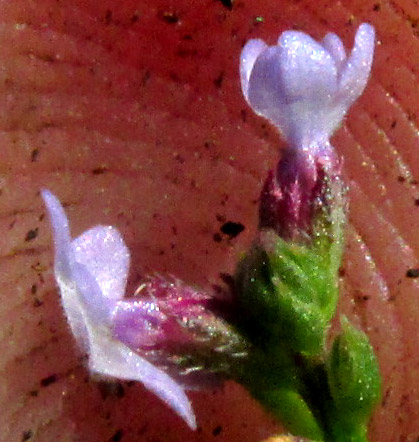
column 217, row 237
column 34, row 155
column 218, row 82
column 228, row 4
column 108, row 17
column 27, row 435
column 37, row 302
column 117, row 437
column 32, row 234
column 49, row 380
column 100, row 170
column 217, row 430
column 111, row 389
column 169, row 17
column 412, row 273
column 232, row 229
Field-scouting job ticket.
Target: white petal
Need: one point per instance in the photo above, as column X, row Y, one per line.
column 293, row 85
column 333, row 44
column 265, row 92
column 251, row 51
column 92, row 302
column 81, row 294
column 103, row 251
column 110, row 357
column 308, row 71
column 356, row 72
column 61, row 229
column 63, row 267
column 70, row 298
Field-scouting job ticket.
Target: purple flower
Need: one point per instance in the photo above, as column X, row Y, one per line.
column 304, row 88
column 91, row 272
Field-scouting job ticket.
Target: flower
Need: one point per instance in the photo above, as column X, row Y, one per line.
column 91, row 272
column 304, row 88
column 286, row 286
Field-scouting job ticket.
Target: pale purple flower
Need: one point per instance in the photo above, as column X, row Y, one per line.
column 91, row 272
column 305, row 87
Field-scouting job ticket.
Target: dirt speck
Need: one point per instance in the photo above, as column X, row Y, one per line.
column 135, row 17
column 108, row 17
column 117, row 437
column 217, row 237
column 32, row 234
column 228, row 4
column 218, row 82
column 232, row 229
column 100, row 170
column 169, row 17
column 412, row 273
column 217, row 430
column 49, row 380
column 27, row 435
column 111, row 389
column 34, row 155
column 37, row 302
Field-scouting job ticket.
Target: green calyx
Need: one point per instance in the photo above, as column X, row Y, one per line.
column 279, row 302
column 287, row 291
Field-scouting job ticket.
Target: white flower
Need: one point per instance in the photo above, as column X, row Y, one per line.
column 305, row 87
column 91, row 272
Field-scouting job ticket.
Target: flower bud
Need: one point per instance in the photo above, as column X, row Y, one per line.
column 353, row 376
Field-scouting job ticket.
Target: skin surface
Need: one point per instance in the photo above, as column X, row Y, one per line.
column 133, row 116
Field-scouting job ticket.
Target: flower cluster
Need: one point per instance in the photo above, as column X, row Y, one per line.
column 171, row 336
